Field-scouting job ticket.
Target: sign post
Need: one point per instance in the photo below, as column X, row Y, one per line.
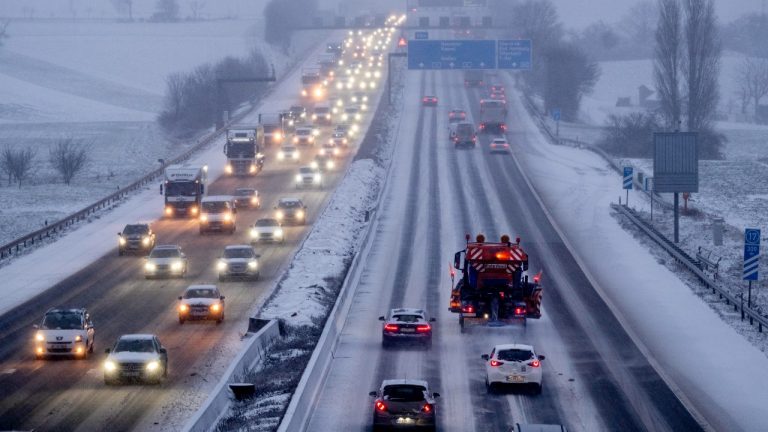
column 627, row 182
column 556, row 117
column 676, row 167
column 751, row 258
column 649, row 189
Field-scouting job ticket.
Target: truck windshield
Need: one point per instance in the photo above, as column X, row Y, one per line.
column 62, row 321
column 241, row 148
column 271, row 128
column 181, row 189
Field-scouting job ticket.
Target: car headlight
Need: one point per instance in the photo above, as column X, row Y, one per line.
column 330, row 165
column 145, row 241
column 300, row 214
column 279, row 233
column 339, row 86
column 317, row 178
column 313, row 164
column 279, row 214
column 295, row 155
column 176, row 266
column 183, row 308
column 298, row 178
column 203, row 217
column 254, row 233
column 78, row 338
column 280, row 155
column 295, row 140
column 253, row 265
column 227, row 217
column 215, row 307
column 254, row 200
column 153, row 366
column 316, row 132
column 228, row 169
column 110, row 366
column 122, row 241
column 221, row 265
column 40, row 337
column 193, row 210
column 150, row 267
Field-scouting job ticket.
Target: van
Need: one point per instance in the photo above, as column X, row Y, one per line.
column 463, row 134
column 218, row 213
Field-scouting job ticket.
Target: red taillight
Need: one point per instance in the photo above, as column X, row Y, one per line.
column 427, row 408
column 423, row 328
column 468, row 309
column 534, row 363
column 381, row 406
column 391, row 327
column 495, row 363
column 519, row 311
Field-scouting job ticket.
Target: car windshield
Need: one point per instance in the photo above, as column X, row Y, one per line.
column 288, row 149
column 514, row 355
column 164, row 253
column 201, row 293
column 266, row 223
column 404, row 393
column 409, row 318
column 135, row 229
column 338, row 134
column 464, row 128
column 62, row 320
column 499, row 141
column 135, row 345
column 215, row 206
column 290, row 204
column 322, row 110
column 238, row 253
column 245, row 192
column 303, row 132
column 306, row 170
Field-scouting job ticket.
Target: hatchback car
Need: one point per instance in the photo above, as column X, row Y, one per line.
column 267, row 230
column 288, row 153
column 64, row 332
column 499, row 145
column 323, row 163
column 515, row 364
column 429, row 101
column 291, row 210
column 406, row 325
column 404, row 403
column 135, row 238
column 201, row 302
column 247, row 198
column 165, row 260
column 238, row 261
column 139, row 357
column 456, row 115
column 309, row 177
column 304, row 136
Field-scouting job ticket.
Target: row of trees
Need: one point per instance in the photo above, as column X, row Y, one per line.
column 165, row 10
column 562, row 72
column 68, row 157
column 283, row 17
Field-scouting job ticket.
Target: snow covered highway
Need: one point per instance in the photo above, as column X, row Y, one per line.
column 595, row 377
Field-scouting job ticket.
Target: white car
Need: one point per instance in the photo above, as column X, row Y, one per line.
column 238, row 261
column 201, row 302
column 218, row 213
column 267, row 230
column 165, row 260
column 304, row 136
column 513, row 364
column 499, row 145
column 309, row 177
column 288, row 153
column 351, row 113
column 138, row 357
column 330, row 149
column 64, row 332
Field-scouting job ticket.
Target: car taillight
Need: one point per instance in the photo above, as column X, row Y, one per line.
column 391, row 327
column 381, row 406
column 534, row 363
column 468, row 309
column 519, row 311
column 427, row 408
column 423, row 328
column 496, row 363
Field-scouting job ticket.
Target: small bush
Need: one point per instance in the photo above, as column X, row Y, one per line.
column 630, row 135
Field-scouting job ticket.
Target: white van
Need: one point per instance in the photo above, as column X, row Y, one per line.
column 218, row 213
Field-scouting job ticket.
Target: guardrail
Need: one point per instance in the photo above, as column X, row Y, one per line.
column 695, row 267
column 217, row 404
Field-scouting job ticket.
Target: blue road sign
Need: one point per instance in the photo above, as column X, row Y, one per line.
column 451, row 54
column 556, row 114
column 421, row 35
column 627, row 178
column 515, row 54
column 751, row 253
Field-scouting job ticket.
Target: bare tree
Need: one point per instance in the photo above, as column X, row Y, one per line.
column 196, row 6
column 4, row 30
column 668, row 61
column 752, row 76
column 124, row 7
column 6, row 162
column 68, row 157
column 17, row 163
column 175, row 95
column 701, row 62
column 166, row 11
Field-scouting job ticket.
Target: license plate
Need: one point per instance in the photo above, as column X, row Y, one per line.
column 132, row 374
column 199, row 314
column 407, row 330
column 59, row 345
column 515, row 378
column 469, row 314
column 404, row 420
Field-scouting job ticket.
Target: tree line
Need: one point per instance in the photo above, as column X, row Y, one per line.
column 68, row 157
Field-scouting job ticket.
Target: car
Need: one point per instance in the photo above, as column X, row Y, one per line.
column 247, row 198
column 339, row 139
column 456, row 115
column 321, row 114
column 291, row 209
column 137, row 357
column 218, row 213
column 296, row 115
column 496, row 88
column 165, row 260
column 406, row 325
column 347, row 129
column 515, row 364
column 329, row 149
column 136, row 237
column 309, row 177
column 359, row 97
column 404, row 403
column 304, row 136
column 499, row 145
column 352, row 113
column 201, row 302
column 288, row 153
column 429, row 101
column 238, row 261
column 323, row 163
column 64, row 332
column 267, row 230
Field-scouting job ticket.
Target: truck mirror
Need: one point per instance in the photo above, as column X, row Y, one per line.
column 373, row 393
column 106, row 351
column 161, row 188
column 457, row 261
column 432, row 320
column 221, row 297
column 542, row 357
column 381, row 318
column 485, row 357
column 179, row 297
column 119, row 234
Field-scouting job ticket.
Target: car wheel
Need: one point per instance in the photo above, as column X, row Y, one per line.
column 165, row 371
column 110, row 381
column 537, row 389
column 385, row 343
column 93, row 342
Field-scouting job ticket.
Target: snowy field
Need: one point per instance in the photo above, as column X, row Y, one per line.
column 102, row 83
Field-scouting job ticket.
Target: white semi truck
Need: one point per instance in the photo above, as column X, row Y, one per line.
column 183, row 188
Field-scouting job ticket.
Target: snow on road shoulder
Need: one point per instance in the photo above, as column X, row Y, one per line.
column 310, row 285
column 688, row 340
